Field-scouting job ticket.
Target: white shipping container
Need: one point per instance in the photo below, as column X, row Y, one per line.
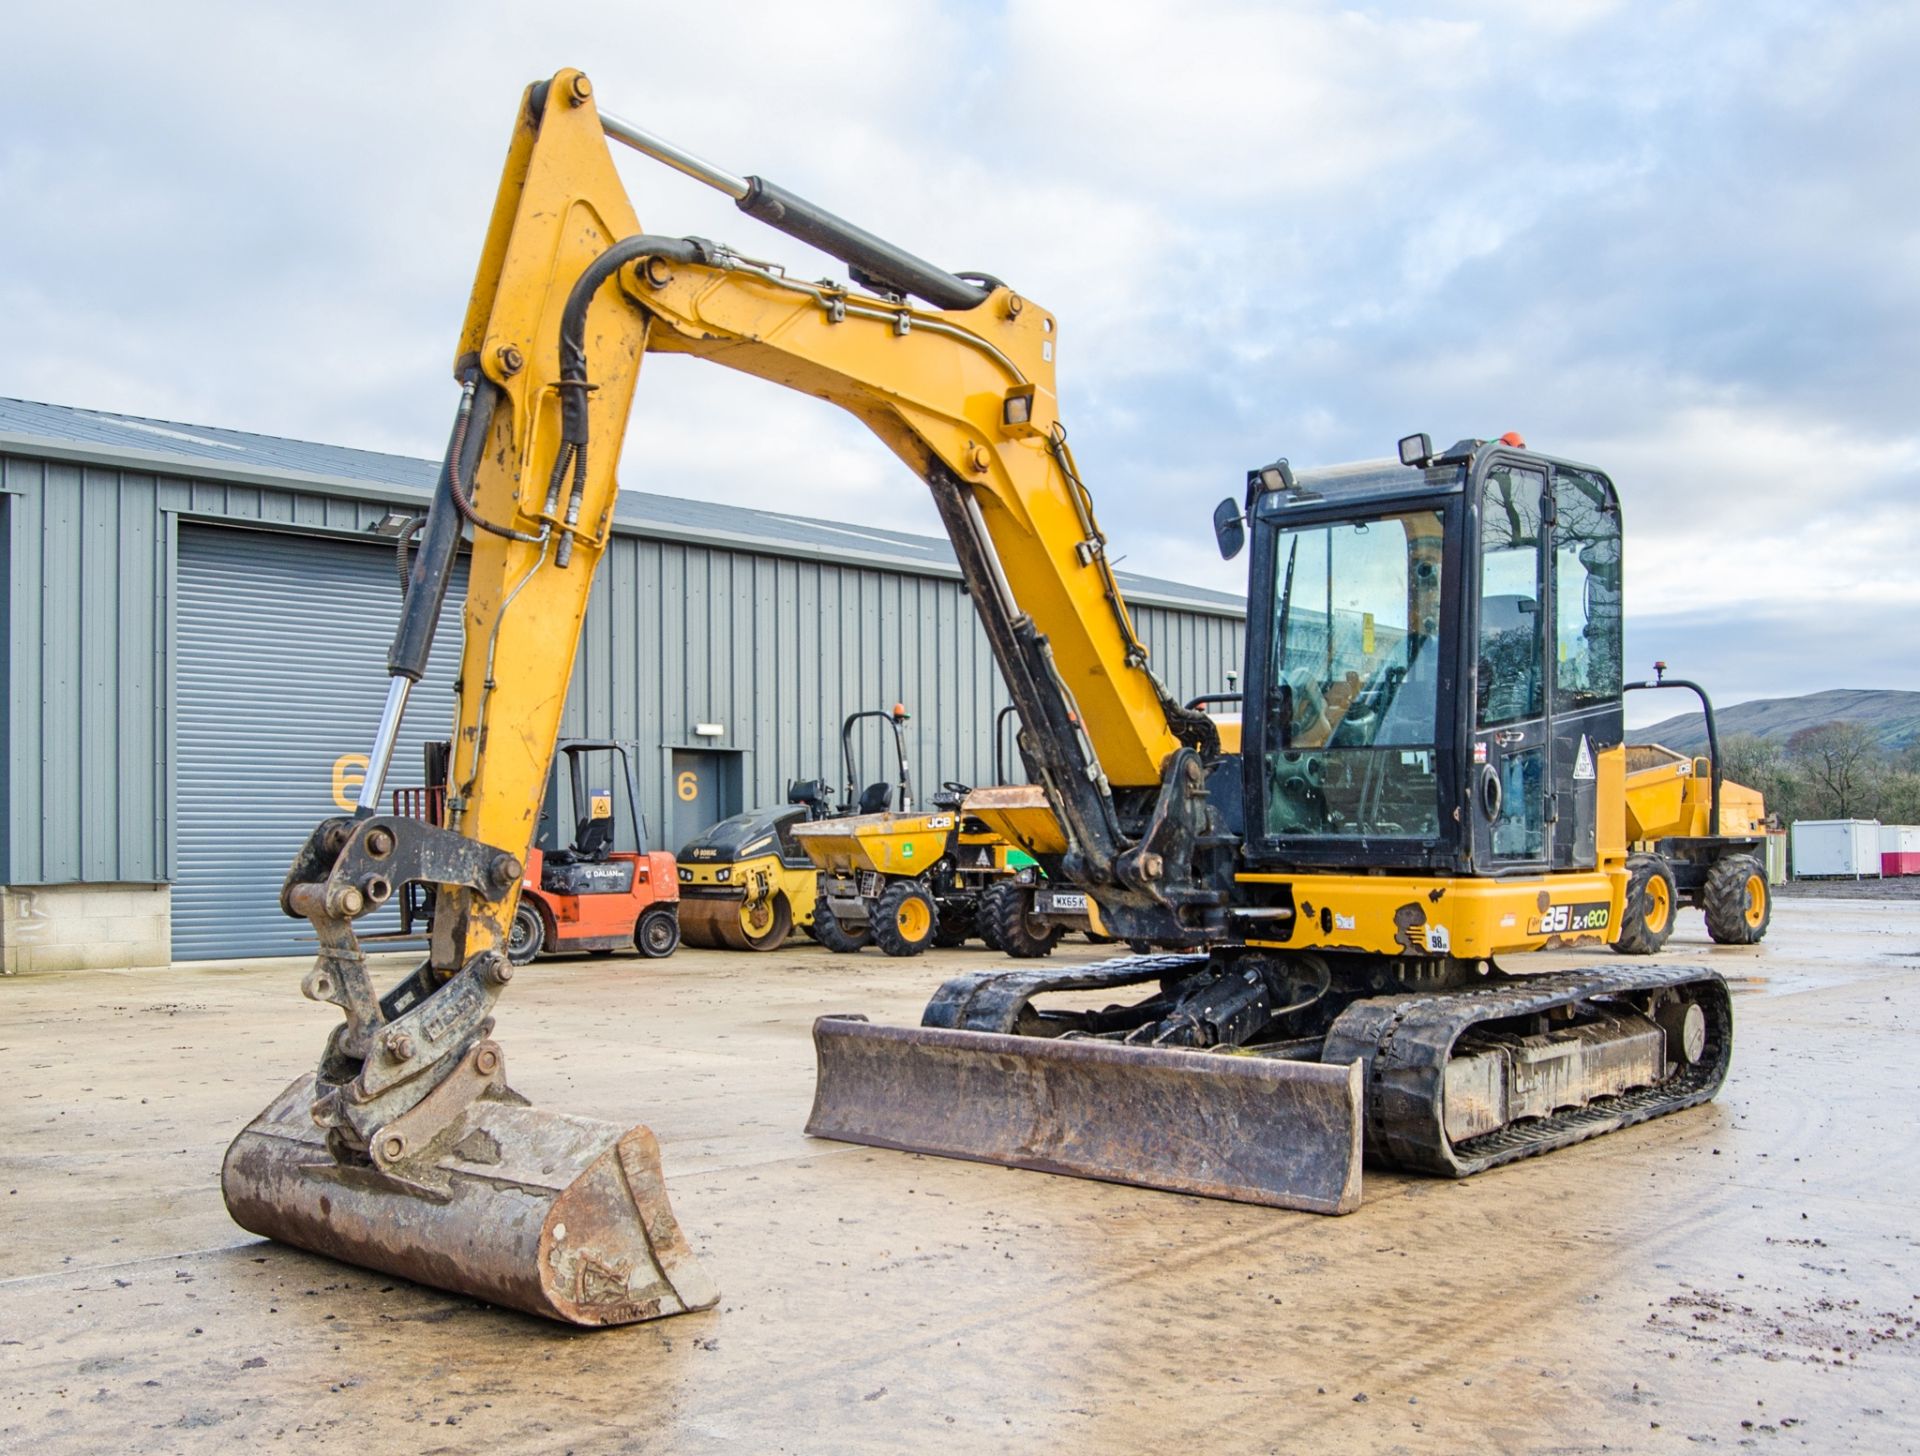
column 1836, row 848
column 1900, row 839
column 1899, row 850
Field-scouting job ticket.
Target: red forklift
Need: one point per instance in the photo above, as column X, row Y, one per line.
column 582, row 894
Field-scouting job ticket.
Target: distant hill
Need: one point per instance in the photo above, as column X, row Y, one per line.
column 1893, row 716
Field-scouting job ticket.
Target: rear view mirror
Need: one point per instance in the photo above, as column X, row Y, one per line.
column 1229, row 528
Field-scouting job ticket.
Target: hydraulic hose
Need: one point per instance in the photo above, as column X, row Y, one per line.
column 461, row 502
column 402, row 545
column 574, row 385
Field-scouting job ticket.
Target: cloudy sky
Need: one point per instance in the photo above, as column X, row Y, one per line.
column 1681, row 241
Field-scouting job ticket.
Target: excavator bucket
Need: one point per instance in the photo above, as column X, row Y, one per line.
column 563, row 1217
column 1253, row 1129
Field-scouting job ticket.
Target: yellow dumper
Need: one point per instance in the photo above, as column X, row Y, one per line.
column 890, row 876
column 1025, row 913
column 873, row 878
column 1693, row 838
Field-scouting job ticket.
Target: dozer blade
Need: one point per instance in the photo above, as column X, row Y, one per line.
column 1252, row 1129
column 563, row 1217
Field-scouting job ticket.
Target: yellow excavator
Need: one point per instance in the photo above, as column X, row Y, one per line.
column 1428, row 777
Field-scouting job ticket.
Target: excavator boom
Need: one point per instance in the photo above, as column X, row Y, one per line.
column 407, row 1142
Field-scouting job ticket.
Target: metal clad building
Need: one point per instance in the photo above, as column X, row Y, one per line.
column 196, row 625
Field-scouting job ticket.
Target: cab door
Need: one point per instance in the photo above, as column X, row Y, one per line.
column 1511, row 772
column 1583, row 696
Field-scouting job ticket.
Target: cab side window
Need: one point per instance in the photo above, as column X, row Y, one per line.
column 1509, row 679
column 1586, row 563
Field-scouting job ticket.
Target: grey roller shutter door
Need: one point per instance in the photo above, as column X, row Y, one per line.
column 281, row 672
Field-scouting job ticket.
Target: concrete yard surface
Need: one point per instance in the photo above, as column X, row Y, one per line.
column 1743, row 1276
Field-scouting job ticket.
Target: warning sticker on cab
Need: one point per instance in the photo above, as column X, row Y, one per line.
column 1583, row 763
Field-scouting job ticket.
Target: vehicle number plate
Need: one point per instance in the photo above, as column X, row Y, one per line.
column 1066, row 900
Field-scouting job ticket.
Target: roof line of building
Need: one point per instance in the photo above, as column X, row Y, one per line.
column 630, row 515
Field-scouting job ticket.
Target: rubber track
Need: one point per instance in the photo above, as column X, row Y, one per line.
column 1405, row 1042
column 993, row 1000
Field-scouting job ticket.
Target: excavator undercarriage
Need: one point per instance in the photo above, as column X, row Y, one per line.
column 1260, row 1079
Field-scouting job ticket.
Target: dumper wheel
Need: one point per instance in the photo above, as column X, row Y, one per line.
column 1019, row 932
column 1737, row 899
column 1648, row 919
column 904, row 919
column 983, row 925
column 526, row 935
column 834, row 933
column 658, row 933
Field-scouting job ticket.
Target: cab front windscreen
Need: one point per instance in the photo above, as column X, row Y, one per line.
column 1354, row 699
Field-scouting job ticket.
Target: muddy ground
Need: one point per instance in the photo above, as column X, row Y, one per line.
column 1744, row 1276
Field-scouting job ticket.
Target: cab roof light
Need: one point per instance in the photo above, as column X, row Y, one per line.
column 1416, row 450
column 1277, row 476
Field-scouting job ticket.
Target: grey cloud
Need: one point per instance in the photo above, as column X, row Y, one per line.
column 1682, row 242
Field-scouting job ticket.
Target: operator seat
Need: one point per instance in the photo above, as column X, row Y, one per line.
column 592, row 839
column 876, row 799
column 813, row 794
column 1407, row 718
column 1509, row 676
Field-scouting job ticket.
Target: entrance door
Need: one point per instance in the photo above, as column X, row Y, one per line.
column 696, row 802
column 1512, row 770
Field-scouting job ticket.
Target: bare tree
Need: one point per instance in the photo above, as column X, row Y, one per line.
column 1900, row 798
column 1760, row 763
column 1749, row 759
column 1841, row 763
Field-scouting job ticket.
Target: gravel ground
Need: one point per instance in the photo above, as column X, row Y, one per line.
column 1905, row 888
column 1744, row 1276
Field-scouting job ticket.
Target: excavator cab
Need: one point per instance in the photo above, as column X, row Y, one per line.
column 1438, row 674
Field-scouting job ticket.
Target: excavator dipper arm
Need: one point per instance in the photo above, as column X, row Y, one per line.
column 406, row 1150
